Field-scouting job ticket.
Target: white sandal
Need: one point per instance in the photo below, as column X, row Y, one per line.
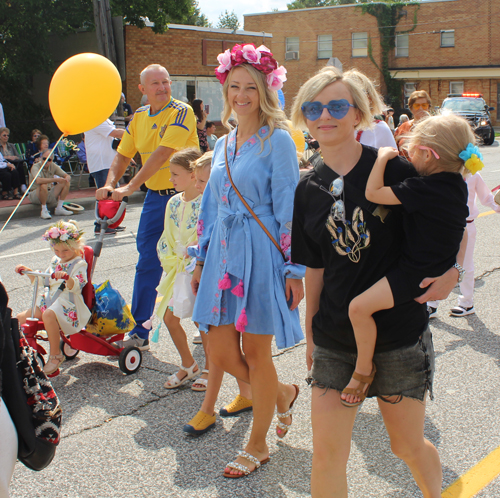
column 201, row 381
column 173, row 381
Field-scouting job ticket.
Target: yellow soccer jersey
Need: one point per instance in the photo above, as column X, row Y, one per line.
column 174, row 126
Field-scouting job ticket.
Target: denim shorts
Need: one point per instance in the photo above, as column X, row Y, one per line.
column 404, row 372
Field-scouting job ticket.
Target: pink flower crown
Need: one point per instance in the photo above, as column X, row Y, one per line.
column 261, row 59
column 62, row 232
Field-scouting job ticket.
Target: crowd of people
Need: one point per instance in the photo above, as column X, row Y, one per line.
column 240, row 229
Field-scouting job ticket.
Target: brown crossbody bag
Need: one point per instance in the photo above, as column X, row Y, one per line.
column 249, row 208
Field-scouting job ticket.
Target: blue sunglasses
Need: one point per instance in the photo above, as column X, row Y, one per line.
column 337, row 109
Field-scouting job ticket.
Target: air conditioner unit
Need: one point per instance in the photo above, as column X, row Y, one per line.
column 291, row 56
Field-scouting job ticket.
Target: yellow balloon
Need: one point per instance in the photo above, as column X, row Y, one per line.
column 84, row 92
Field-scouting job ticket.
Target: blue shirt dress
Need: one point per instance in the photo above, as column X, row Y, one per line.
column 243, row 279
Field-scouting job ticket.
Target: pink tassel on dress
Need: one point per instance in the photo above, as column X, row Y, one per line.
column 225, row 283
column 242, row 321
column 238, row 291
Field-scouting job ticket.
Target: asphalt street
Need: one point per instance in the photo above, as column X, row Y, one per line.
column 122, row 435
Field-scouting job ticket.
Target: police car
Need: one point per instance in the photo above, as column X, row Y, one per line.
column 475, row 110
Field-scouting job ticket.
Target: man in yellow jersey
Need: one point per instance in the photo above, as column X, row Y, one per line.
column 156, row 131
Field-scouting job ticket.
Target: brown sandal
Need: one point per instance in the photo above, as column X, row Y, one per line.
column 52, row 366
column 365, row 381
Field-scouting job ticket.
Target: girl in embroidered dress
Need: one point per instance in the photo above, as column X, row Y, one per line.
column 181, row 217
column 243, row 290
column 64, row 310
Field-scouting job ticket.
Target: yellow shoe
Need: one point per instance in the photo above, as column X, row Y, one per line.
column 200, row 423
column 239, row 405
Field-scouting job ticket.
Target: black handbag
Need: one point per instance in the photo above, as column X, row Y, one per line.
column 29, row 397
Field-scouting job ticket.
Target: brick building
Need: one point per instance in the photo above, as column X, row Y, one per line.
column 190, row 55
column 453, row 48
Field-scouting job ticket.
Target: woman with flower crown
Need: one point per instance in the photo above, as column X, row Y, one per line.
column 61, row 310
column 247, row 288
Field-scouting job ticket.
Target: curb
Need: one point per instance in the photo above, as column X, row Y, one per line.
column 32, row 211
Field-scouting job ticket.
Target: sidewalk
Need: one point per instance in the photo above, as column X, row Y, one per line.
column 84, row 197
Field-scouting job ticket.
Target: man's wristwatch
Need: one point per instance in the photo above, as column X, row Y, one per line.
column 461, row 272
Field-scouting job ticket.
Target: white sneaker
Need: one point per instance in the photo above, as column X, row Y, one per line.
column 197, row 338
column 62, row 212
column 461, row 311
column 45, row 215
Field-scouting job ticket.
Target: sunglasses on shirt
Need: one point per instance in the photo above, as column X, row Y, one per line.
column 337, row 109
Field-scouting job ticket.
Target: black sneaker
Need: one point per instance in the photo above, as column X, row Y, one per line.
column 120, row 228
column 432, row 312
column 109, row 231
column 460, row 311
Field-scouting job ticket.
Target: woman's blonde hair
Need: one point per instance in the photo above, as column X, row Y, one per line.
column 326, row 76
column 205, row 161
column 447, row 135
column 377, row 106
column 418, row 94
column 270, row 113
column 185, row 157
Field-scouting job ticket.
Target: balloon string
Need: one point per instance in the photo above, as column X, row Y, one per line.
column 34, row 180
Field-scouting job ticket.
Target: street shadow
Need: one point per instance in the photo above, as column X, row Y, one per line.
column 369, row 430
column 479, row 337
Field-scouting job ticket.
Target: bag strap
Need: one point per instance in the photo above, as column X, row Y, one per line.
column 249, row 208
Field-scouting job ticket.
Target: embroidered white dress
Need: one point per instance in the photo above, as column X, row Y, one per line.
column 179, row 233
column 70, row 309
column 243, row 279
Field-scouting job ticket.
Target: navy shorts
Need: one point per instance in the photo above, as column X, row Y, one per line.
column 404, row 372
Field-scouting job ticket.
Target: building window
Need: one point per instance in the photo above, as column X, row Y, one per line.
column 457, row 87
column 292, row 48
column 402, row 45
column 206, row 88
column 360, row 44
column 324, row 46
column 448, row 38
column 409, row 89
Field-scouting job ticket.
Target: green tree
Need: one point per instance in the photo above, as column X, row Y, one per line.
column 228, row 20
column 25, row 28
column 197, row 18
column 308, row 4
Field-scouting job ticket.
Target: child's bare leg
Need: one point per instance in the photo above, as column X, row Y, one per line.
column 180, row 340
column 204, row 341
column 23, row 316
column 377, row 297
column 52, row 328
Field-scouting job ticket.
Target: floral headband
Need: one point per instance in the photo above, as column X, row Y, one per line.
column 260, row 58
column 62, row 232
column 472, row 158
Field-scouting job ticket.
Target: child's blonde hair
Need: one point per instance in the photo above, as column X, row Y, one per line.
column 185, row 157
column 205, row 161
column 65, row 232
column 447, row 135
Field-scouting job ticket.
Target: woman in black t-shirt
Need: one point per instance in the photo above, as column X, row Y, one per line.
column 348, row 244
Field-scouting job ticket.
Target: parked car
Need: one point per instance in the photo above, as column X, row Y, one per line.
column 475, row 110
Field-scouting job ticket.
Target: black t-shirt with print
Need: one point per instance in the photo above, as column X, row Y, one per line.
column 355, row 255
column 434, row 226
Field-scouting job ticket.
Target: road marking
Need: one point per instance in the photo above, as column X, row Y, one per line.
column 48, row 248
column 486, row 213
column 476, row 478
